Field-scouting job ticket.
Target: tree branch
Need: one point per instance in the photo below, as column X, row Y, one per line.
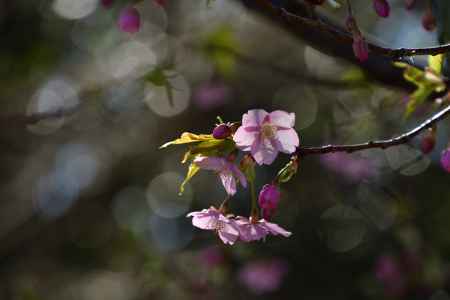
column 382, row 144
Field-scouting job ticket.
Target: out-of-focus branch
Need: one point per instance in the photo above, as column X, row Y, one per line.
column 382, row 144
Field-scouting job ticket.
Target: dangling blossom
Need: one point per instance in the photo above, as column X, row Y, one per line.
column 265, row 134
column 227, row 171
column 213, row 219
column 268, row 199
column 250, row 230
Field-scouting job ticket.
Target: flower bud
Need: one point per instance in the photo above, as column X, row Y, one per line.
column 129, row 20
column 269, row 196
column 221, row 131
column 445, row 160
column 107, row 3
column 161, row 2
column 428, row 141
column 382, row 8
column 428, row 21
column 409, row 4
column 360, row 47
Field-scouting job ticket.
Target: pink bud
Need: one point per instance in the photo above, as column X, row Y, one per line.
column 428, row 21
column 409, row 4
column 221, row 131
column 161, row 2
column 269, row 196
column 360, row 48
column 428, row 141
column 107, row 3
column 382, row 8
column 445, row 160
column 129, row 20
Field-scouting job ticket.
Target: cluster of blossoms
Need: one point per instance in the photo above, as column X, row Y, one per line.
column 257, row 140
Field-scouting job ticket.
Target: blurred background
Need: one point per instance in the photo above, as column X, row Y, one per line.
column 89, row 205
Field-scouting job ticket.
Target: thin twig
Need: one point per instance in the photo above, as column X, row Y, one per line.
column 382, row 144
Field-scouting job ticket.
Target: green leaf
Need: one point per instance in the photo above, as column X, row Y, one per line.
column 187, row 138
column 435, row 63
column 193, row 169
column 288, row 171
column 220, row 46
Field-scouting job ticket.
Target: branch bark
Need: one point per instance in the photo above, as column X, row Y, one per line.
column 382, row 144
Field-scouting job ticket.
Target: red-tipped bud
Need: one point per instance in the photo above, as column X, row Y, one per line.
column 445, row 160
column 382, row 8
column 130, row 20
column 428, row 21
column 161, row 2
column 107, row 3
column 360, row 47
column 221, row 131
column 428, row 141
column 409, row 4
column 268, row 200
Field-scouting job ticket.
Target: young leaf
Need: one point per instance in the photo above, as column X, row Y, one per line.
column 187, row 138
column 193, row 169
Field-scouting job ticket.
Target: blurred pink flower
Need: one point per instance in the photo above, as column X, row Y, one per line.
column 351, row 167
column 382, row 8
column 263, row 276
column 389, row 272
column 211, row 256
column 211, row 95
column 252, row 231
column 227, row 171
column 129, row 20
column 265, row 134
column 213, row 219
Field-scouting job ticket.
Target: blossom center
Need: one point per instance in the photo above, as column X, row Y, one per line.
column 219, row 225
column 268, row 131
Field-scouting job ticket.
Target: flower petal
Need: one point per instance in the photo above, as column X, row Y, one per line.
column 264, row 152
column 229, row 232
column 205, row 220
column 239, row 175
column 282, row 119
column 275, row 229
column 244, row 139
column 254, row 117
column 288, row 140
column 210, row 163
column 229, row 183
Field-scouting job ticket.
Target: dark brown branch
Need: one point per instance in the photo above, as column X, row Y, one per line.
column 325, row 37
column 381, row 144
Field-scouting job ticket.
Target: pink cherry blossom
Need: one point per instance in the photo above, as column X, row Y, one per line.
column 255, row 230
column 226, row 170
column 265, row 134
column 129, row 20
column 213, row 219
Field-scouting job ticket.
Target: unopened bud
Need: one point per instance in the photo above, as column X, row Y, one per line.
column 221, row 131
column 382, row 8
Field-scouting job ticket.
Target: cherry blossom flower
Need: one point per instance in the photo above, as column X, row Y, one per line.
column 265, row 134
column 226, row 170
column 255, row 230
column 213, row 219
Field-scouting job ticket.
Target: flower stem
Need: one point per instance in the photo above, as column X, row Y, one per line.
column 254, row 212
